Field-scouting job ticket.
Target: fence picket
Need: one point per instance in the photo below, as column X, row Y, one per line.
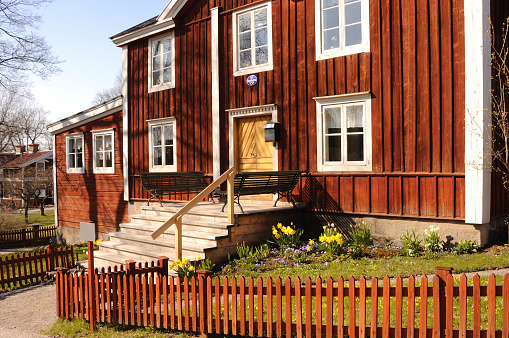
column 330, row 303
column 179, row 303
column 288, row 307
column 209, row 305
column 226, row 306
column 187, row 323
column 165, row 301
column 172, row 304
column 195, row 304
column 492, row 305
column 411, row 307
column 279, row 309
column 151, row 302
column 298, row 307
column 341, row 307
column 436, row 307
column 217, row 297
column 398, row 308
column 234, row 306
column 270, row 315
column 505, row 302
column 423, row 307
column 362, row 308
column 386, row 307
column 351, row 305
column 374, row 307
column 259, row 289
column 477, row 305
column 251, row 296
column 242, row 289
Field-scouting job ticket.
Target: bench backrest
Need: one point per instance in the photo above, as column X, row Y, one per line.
column 267, row 182
column 170, row 181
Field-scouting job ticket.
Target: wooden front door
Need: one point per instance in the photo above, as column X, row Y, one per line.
column 252, row 153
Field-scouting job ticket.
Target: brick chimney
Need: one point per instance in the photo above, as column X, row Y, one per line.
column 20, row 149
column 33, row 148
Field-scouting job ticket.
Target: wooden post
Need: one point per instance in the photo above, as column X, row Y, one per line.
column 442, row 274
column 230, row 197
column 203, row 275
column 50, row 261
column 35, row 228
column 130, row 266
column 91, row 289
column 163, row 266
column 178, row 238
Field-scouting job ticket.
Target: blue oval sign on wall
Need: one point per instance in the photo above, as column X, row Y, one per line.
column 251, row 80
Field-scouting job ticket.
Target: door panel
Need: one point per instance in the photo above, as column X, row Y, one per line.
column 252, row 153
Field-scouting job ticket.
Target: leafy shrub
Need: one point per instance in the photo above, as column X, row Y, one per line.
column 361, row 235
column 432, row 239
column 331, row 240
column 466, row 246
column 244, row 251
column 411, row 244
column 205, row 264
column 251, row 253
column 286, row 236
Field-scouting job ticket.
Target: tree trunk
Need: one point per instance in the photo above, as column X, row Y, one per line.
column 26, row 212
column 42, row 206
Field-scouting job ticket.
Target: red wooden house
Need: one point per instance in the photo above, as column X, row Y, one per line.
column 376, row 100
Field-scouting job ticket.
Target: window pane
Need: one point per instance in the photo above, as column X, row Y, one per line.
column 79, row 160
column 168, row 135
column 156, row 48
column 156, row 63
column 79, row 145
column 354, row 119
column 71, row 161
column 353, row 35
column 167, row 45
column 333, row 120
column 108, row 161
column 72, row 146
column 99, row 159
column 107, row 142
column 331, row 39
column 245, row 59
column 355, row 147
column 168, row 156
column 262, row 55
column 167, row 60
column 330, row 3
column 156, row 136
column 244, row 22
column 245, row 41
column 158, row 156
column 261, row 37
column 333, row 148
column 167, row 75
column 99, row 143
column 331, row 18
column 353, row 13
column 260, row 18
column 156, row 78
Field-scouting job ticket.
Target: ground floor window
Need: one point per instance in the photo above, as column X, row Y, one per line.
column 344, row 132
column 74, row 152
column 104, row 152
column 162, row 152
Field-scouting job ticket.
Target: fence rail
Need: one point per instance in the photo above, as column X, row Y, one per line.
column 32, row 267
column 273, row 308
column 35, row 234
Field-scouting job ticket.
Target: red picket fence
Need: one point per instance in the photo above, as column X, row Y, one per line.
column 463, row 308
column 32, row 267
column 35, row 234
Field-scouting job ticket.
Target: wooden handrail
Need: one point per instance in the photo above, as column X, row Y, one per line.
column 177, row 217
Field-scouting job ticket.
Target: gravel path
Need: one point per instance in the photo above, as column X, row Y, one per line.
column 24, row 312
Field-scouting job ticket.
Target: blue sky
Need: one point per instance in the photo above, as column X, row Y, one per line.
column 79, row 32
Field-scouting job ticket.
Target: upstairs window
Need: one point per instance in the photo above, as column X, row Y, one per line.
column 104, row 152
column 40, row 169
column 344, row 133
column 342, row 27
column 74, row 151
column 163, row 153
column 161, row 63
column 252, row 42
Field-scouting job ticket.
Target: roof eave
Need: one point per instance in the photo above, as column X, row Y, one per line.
column 143, row 32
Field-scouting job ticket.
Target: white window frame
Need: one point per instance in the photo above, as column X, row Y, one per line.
column 76, row 170
column 157, row 123
column 237, row 71
column 104, row 169
column 363, row 47
column 343, row 101
column 154, row 88
column 37, row 173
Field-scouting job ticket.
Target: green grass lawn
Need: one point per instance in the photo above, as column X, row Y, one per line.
column 17, row 221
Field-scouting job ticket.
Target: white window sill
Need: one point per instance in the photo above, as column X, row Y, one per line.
column 333, row 53
column 104, row 170
column 153, row 89
column 253, row 70
column 162, row 169
column 75, row 170
column 345, row 167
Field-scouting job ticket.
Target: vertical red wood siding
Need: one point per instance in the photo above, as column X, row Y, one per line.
column 415, row 71
column 98, row 198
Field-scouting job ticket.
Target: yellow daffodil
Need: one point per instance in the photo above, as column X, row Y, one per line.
column 198, row 257
column 191, row 268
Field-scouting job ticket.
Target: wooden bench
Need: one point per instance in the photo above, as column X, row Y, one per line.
column 158, row 184
column 266, row 182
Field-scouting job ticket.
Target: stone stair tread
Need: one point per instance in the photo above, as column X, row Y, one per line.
column 195, row 222
column 200, row 210
column 152, row 228
column 164, row 241
column 144, row 251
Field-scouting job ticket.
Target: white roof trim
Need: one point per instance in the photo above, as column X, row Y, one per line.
column 172, row 9
column 46, row 156
column 143, row 32
column 80, row 119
